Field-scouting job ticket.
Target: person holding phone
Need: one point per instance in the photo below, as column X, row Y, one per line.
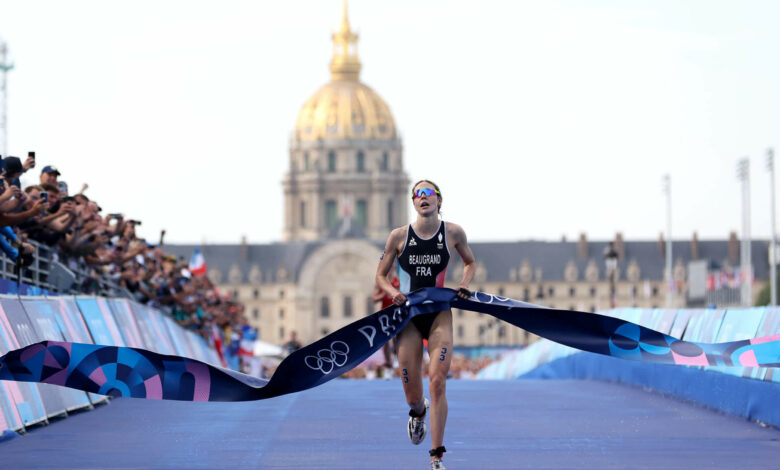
column 49, row 175
column 422, row 252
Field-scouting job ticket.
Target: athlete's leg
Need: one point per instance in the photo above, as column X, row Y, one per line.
column 440, row 350
column 410, row 363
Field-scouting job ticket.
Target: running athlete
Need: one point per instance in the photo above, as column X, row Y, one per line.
column 422, row 250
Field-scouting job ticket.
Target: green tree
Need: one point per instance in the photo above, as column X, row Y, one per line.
column 765, row 295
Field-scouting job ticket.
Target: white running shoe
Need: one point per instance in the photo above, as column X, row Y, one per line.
column 437, row 465
column 416, row 427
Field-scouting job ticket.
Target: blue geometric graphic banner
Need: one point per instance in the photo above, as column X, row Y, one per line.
column 138, row 373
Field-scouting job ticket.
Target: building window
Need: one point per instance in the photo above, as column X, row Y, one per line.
column 281, row 332
column 501, row 331
column 330, row 213
column 256, row 293
column 592, row 309
column 460, row 331
column 593, row 292
column 347, row 306
column 281, row 293
column 460, row 313
column 361, row 162
column 501, row 291
column 331, row 162
column 551, row 291
column 572, row 307
column 324, row 332
column 369, row 305
column 385, row 161
column 306, row 164
column 633, row 291
column 526, row 295
column 572, row 291
column 390, row 213
column 303, row 213
column 281, row 313
column 324, row 307
column 361, row 212
column 256, row 313
column 655, row 291
column 235, row 294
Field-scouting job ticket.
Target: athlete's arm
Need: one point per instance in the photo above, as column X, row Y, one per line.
column 458, row 236
column 386, row 262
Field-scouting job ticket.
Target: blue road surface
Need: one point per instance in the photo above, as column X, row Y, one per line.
column 358, row 424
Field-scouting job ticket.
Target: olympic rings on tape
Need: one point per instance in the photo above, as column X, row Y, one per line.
column 328, row 359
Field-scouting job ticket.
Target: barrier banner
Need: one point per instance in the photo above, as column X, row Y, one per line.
column 180, row 342
column 770, row 322
column 74, row 329
column 21, row 402
column 131, row 372
column 153, row 332
column 100, row 321
column 126, row 322
column 43, row 319
column 25, row 334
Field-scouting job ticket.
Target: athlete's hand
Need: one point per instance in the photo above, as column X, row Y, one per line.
column 463, row 292
column 399, row 299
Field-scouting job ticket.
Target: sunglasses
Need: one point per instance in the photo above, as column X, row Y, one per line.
column 424, row 192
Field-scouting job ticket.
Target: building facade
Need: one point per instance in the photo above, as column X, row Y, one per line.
column 346, row 188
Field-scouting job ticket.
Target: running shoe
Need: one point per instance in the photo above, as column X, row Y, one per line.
column 416, row 427
column 437, row 465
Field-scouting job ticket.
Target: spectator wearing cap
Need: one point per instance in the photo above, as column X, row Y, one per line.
column 49, row 174
column 13, row 170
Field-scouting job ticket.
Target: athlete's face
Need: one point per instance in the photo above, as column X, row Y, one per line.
column 427, row 205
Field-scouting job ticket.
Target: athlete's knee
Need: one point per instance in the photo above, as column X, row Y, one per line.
column 438, row 386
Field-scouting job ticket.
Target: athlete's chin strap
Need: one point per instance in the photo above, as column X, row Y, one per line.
column 437, row 452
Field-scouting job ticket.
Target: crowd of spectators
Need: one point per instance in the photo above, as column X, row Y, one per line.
column 104, row 247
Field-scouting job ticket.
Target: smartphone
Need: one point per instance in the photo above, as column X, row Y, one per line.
column 31, row 155
column 45, row 196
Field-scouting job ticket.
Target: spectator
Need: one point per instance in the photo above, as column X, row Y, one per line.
column 49, row 174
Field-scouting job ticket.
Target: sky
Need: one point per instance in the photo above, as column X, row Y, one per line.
column 539, row 120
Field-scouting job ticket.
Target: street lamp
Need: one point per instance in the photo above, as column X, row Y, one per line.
column 611, row 261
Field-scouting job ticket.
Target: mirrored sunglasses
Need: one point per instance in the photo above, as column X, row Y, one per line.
column 424, row 192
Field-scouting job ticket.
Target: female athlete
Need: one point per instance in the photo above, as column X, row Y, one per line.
column 422, row 250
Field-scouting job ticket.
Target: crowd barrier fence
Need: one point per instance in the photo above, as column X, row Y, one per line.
column 25, row 320
column 748, row 391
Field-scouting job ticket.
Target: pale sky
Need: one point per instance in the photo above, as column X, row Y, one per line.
column 537, row 119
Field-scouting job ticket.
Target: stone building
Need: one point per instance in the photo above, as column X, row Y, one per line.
column 346, row 189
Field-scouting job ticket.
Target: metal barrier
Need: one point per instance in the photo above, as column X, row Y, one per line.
column 52, row 272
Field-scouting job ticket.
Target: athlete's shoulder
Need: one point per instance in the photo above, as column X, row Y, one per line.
column 398, row 233
column 453, row 227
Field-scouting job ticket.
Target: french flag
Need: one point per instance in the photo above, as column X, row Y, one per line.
column 197, row 263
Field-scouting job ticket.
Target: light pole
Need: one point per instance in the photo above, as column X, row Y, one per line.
column 770, row 163
column 667, row 181
column 5, row 67
column 743, row 172
column 611, row 261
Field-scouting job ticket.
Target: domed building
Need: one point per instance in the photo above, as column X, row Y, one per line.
column 346, row 189
column 346, row 158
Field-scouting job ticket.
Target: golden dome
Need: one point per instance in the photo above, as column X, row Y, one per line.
column 345, row 108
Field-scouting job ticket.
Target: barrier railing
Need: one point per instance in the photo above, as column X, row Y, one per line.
column 50, row 272
column 25, row 320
